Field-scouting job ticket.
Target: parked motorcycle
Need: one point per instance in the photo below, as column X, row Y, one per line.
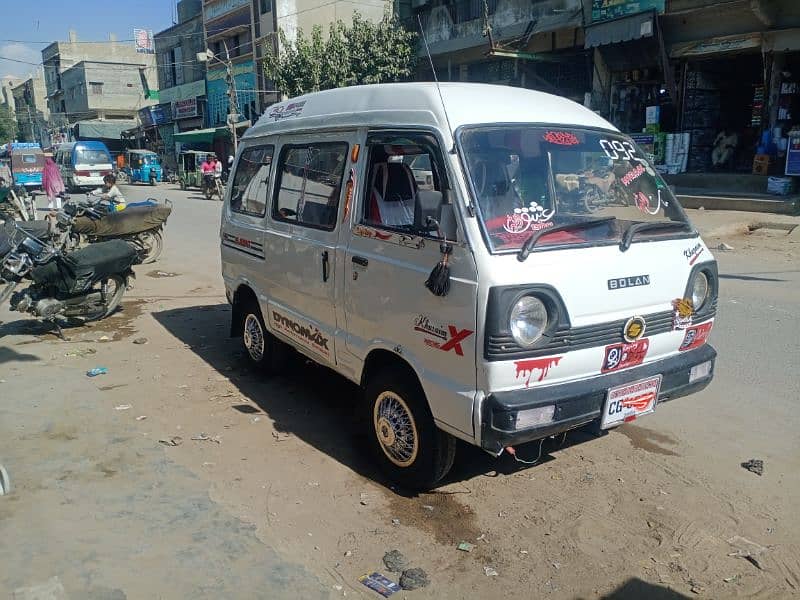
column 212, row 185
column 84, row 285
column 16, row 204
column 140, row 224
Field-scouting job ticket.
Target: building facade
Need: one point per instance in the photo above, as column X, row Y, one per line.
column 81, row 82
column 30, row 99
column 181, row 78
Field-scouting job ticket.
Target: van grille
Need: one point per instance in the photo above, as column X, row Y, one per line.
column 566, row 339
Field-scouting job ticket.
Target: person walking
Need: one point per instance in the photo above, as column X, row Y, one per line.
column 52, row 184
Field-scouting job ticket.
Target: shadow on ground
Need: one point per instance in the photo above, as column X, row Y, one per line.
column 636, row 589
column 317, row 405
column 7, row 355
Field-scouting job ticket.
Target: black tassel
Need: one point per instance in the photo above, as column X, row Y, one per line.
column 438, row 281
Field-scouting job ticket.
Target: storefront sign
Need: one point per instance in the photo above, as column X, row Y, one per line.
column 793, row 156
column 155, row 115
column 216, row 92
column 216, row 9
column 184, row 109
column 717, row 45
column 603, row 10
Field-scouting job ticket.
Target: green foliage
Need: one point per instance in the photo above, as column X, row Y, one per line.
column 360, row 53
column 8, row 125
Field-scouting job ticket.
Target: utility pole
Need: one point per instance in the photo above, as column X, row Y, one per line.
column 232, row 100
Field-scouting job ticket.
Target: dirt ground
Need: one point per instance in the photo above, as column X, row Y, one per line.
column 648, row 511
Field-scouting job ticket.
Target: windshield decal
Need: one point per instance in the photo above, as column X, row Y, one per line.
column 562, row 138
column 631, row 175
column 534, row 217
column 616, row 150
column 643, row 203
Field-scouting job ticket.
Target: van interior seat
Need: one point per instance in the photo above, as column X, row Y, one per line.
column 393, row 194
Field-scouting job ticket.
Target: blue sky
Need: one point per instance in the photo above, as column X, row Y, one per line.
column 31, row 21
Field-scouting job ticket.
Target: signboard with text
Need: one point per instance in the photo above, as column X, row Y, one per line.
column 184, row 109
column 604, row 10
column 143, row 40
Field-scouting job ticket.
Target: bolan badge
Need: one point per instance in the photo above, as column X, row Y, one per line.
column 682, row 318
column 634, row 329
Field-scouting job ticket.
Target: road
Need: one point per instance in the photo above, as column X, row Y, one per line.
column 280, row 500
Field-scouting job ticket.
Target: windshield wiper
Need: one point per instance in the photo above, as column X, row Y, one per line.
column 531, row 241
column 627, row 237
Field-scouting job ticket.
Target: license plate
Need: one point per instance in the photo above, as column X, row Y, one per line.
column 95, row 174
column 626, row 402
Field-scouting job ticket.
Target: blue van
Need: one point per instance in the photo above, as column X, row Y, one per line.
column 83, row 164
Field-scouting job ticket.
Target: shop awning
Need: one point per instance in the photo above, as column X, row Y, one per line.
column 107, row 130
column 202, row 136
column 625, row 29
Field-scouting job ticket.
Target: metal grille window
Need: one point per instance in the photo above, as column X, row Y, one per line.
column 96, row 87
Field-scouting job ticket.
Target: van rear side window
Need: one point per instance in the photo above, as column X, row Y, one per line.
column 251, row 181
column 309, row 184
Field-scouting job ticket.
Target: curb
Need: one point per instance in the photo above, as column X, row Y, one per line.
column 781, row 207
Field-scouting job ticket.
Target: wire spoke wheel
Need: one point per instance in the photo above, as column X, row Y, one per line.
column 254, row 337
column 396, row 429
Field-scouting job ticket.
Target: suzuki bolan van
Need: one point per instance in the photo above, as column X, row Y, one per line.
column 83, row 164
column 544, row 278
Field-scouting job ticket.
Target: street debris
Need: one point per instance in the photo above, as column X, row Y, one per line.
column 173, row 441
column 377, row 582
column 5, row 482
column 481, row 537
column 489, row 572
column 754, row 465
column 104, row 338
column 733, row 579
column 81, row 352
column 141, row 417
column 96, row 371
column 466, row 547
column 280, row 436
column 427, row 507
column 348, row 553
column 140, row 341
column 203, row 437
column 748, row 550
column 395, row 561
column 723, row 247
column 412, row 579
column 395, row 521
column 364, row 499
column 123, row 407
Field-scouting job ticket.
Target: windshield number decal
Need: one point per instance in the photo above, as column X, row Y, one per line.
column 616, row 150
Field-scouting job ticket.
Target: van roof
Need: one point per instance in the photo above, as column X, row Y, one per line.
column 398, row 104
column 86, row 143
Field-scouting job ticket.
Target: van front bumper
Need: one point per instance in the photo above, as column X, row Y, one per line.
column 579, row 402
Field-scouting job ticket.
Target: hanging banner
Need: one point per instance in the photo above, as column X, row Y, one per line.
column 604, row 10
column 717, row 45
column 143, row 40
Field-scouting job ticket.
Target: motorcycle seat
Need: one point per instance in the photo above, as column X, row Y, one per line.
column 76, row 272
column 38, row 229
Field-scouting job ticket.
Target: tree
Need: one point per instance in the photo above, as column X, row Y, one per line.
column 363, row 52
column 8, row 125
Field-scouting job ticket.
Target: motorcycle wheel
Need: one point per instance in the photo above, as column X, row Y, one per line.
column 209, row 193
column 152, row 244
column 113, row 298
column 152, row 181
column 183, row 184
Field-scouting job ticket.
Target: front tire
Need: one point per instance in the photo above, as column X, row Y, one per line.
column 209, row 193
column 408, row 446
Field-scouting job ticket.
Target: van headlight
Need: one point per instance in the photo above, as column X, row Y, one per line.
column 528, row 321
column 699, row 289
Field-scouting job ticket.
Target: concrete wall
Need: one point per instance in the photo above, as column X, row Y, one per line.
column 120, row 93
column 293, row 15
column 176, row 53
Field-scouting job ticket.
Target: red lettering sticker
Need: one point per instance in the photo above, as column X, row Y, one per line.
column 562, row 138
column 695, row 336
column 622, row 356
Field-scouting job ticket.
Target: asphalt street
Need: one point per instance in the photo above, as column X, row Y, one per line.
column 101, row 509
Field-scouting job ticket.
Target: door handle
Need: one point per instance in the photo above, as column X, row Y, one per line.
column 360, row 260
column 325, row 266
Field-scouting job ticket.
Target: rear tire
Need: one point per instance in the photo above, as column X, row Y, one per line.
column 152, row 242
column 183, row 184
column 113, row 298
column 408, row 446
column 263, row 350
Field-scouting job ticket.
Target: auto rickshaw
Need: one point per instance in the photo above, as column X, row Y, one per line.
column 143, row 166
column 189, row 163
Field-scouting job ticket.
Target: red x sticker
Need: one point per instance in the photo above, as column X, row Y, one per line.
column 456, row 337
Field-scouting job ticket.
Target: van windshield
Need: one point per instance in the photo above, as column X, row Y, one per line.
column 526, row 179
column 91, row 156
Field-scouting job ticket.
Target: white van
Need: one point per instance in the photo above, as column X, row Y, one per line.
column 578, row 293
column 83, row 164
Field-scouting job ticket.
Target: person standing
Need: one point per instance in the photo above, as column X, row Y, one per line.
column 52, row 184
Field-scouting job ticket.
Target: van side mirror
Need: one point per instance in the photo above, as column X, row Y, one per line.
column 427, row 206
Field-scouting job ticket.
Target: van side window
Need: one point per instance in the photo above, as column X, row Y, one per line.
column 309, row 184
column 402, row 167
column 251, row 181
